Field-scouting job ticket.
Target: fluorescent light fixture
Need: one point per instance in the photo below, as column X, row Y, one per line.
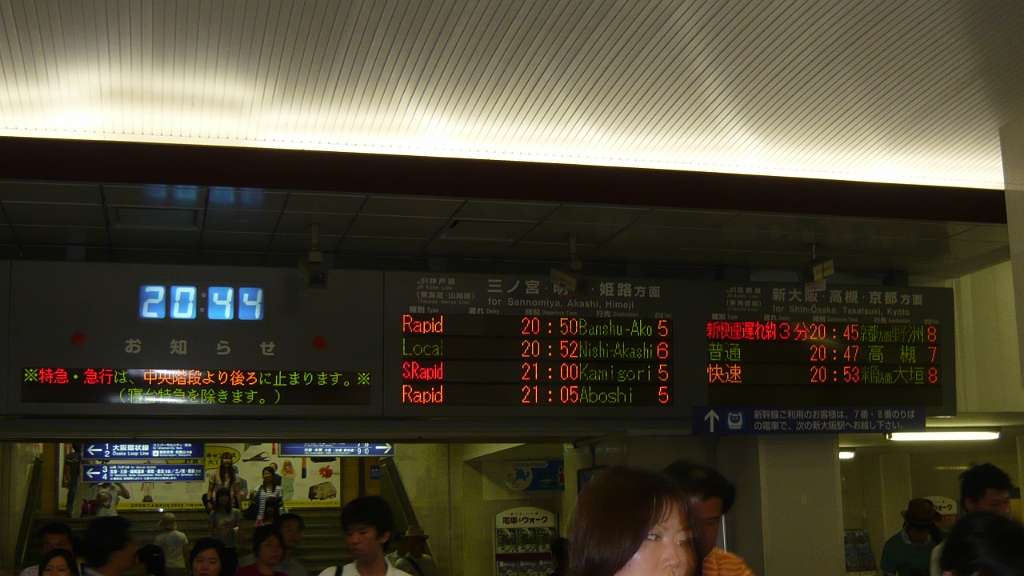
column 846, row 454
column 948, row 436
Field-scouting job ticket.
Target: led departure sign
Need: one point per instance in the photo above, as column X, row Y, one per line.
column 187, row 302
column 854, row 346
column 822, row 353
column 194, row 387
column 472, row 360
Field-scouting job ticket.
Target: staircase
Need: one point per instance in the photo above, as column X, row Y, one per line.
column 323, row 541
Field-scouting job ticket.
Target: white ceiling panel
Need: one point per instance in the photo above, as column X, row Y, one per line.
column 869, row 90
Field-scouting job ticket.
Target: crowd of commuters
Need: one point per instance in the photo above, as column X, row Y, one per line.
column 919, row 548
column 628, row 522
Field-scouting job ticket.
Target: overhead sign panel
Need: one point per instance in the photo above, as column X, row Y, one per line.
column 142, row 450
column 143, row 472
column 337, row 449
column 718, row 420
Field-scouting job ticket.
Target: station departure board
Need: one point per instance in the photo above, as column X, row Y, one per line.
column 843, row 346
column 136, row 340
column 463, row 344
column 130, row 340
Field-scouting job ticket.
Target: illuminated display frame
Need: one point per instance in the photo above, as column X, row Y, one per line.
column 98, row 326
column 372, row 304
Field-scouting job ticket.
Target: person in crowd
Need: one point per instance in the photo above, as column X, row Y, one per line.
column 78, row 547
column 53, row 536
column 984, row 544
column 271, row 512
column 109, row 549
column 58, row 562
column 558, row 557
column 288, row 480
column 400, row 550
column 291, row 527
column 368, row 524
column 105, row 496
column 416, row 562
column 278, row 479
column 632, row 522
column 710, row 497
column 983, row 488
column 908, row 551
column 268, row 550
column 226, row 476
column 270, row 488
column 151, row 561
column 226, row 527
column 207, row 558
column 174, row 543
column 72, row 475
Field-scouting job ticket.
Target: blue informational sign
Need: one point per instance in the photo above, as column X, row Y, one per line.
column 143, row 472
column 337, row 449
column 536, row 475
column 142, row 450
column 374, row 472
column 805, row 420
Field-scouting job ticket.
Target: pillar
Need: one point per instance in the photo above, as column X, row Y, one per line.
column 788, row 518
column 1011, row 137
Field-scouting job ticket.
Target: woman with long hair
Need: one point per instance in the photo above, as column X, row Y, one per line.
column 632, row 522
column 226, row 528
column 225, row 476
column 270, row 488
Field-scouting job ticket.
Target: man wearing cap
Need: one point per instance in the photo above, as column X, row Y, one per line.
column 908, row 552
column 416, row 562
column 174, row 543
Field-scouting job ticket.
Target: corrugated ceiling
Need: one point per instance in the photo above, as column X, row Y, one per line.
column 871, row 90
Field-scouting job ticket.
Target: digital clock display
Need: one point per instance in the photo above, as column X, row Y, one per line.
column 138, row 340
column 188, row 302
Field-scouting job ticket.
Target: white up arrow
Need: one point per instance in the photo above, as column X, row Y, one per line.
column 711, row 417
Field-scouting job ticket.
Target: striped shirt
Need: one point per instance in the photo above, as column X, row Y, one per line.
column 721, row 563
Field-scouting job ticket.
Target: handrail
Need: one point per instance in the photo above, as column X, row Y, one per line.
column 393, row 490
column 33, row 501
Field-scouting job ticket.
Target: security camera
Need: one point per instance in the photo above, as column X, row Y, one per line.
column 316, row 272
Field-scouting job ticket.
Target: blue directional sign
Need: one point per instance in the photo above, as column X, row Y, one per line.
column 142, row 450
column 143, row 472
column 805, row 420
column 337, row 449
